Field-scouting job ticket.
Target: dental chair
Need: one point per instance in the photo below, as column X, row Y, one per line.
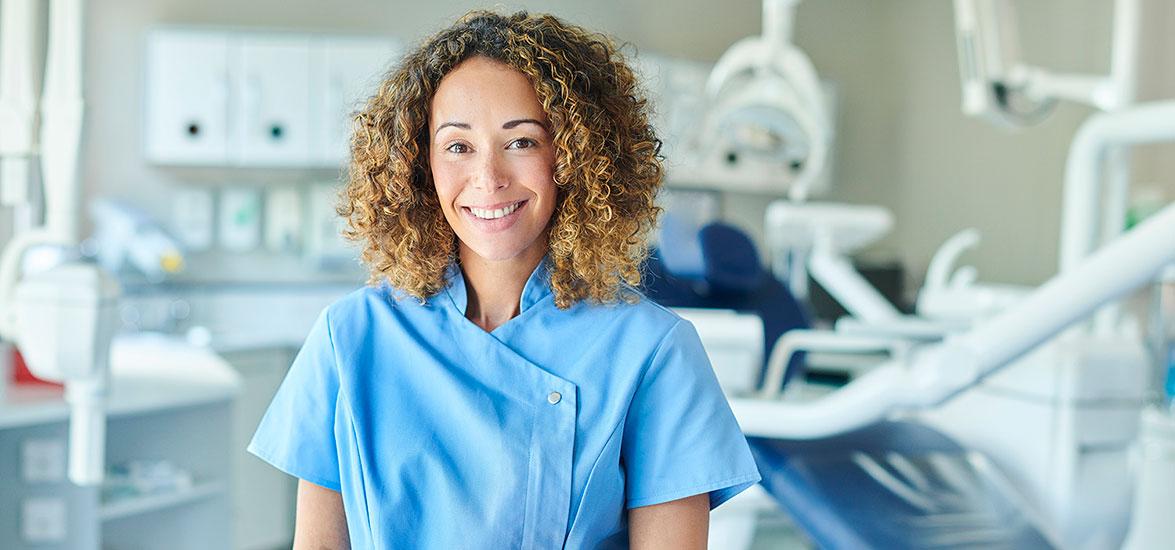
column 895, row 484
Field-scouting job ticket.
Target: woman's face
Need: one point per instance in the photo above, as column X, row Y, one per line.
column 492, row 160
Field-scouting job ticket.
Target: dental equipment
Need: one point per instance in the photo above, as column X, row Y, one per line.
column 769, row 116
column 768, row 113
column 124, row 234
column 931, row 375
column 815, row 239
column 941, row 371
column 62, row 319
column 999, row 87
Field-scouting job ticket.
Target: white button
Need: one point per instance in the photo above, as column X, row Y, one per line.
column 554, row 397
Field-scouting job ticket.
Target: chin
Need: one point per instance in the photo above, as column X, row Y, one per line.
column 498, row 252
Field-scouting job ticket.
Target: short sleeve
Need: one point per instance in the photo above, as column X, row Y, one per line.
column 297, row 433
column 680, row 437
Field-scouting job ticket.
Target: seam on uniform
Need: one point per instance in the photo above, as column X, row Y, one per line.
column 591, row 474
column 649, row 366
column 362, row 480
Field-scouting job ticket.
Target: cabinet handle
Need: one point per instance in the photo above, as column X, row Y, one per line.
column 193, row 129
column 276, row 132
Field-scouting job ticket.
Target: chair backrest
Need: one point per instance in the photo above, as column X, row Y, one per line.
column 733, row 277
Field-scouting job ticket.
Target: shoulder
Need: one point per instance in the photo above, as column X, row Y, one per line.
column 375, row 305
column 640, row 319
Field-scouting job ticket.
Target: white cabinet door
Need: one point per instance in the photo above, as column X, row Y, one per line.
column 347, row 72
column 272, row 107
column 186, row 119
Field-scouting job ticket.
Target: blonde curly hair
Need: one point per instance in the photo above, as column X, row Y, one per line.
column 607, row 159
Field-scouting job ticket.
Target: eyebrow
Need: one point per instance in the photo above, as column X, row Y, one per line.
column 462, row 125
column 510, row 125
column 514, row 123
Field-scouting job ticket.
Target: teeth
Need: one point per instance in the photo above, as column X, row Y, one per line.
column 494, row 214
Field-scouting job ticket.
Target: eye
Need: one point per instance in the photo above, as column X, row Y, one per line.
column 522, row 143
column 457, row 147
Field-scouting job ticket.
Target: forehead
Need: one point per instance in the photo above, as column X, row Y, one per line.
column 485, row 90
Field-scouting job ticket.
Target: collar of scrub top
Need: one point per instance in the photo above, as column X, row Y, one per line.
column 537, row 287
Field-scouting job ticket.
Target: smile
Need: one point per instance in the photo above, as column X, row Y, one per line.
column 495, row 213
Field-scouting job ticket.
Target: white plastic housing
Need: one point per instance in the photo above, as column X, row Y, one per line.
column 67, row 318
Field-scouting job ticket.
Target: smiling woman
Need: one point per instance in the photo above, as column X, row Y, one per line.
column 502, row 383
column 594, row 124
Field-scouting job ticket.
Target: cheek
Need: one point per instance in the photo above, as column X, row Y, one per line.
column 446, row 184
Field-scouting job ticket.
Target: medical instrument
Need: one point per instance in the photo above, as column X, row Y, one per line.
column 768, row 103
column 62, row 319
column 1016, row 373
column 1002, row 88
column 124, row 235
column 768, row 112
column 816, row 239
column 1043, row 417
column 1092, row 408
column 912, row 475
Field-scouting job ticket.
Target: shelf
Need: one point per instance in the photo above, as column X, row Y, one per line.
column 131, row 506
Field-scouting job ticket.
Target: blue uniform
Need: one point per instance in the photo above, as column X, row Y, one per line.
column 536, row 435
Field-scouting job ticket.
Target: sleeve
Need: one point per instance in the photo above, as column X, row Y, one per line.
column 680, row 437
column 297, row 433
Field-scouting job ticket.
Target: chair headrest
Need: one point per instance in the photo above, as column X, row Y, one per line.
column 730, row 258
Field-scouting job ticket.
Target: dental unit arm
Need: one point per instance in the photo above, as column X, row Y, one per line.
column 62, row 319
column 933, row 374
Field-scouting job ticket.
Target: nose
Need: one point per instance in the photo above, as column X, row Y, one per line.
column 491, row 174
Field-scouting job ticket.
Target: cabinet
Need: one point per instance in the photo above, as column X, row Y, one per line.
column 349, row 71
column 272, row 108
column 226, row 98
column 187, row 98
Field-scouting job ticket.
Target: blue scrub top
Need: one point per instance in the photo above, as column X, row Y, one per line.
column 536, row 435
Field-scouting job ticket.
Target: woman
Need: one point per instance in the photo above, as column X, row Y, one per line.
column 501, row 383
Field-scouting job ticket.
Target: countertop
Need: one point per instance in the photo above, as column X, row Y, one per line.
column 148, row 372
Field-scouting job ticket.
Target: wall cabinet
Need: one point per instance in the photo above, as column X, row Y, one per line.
column 349, row 72
column 272, row 115
column 187, row 98
column 222, row 98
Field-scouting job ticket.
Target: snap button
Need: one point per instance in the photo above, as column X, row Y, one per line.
column 554, row 397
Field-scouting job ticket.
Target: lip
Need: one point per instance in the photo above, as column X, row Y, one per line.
column 495, row 225
column 494, row 206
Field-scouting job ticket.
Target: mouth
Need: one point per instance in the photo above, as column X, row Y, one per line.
column 495, row 212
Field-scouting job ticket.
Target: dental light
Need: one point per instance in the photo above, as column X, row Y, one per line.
column 998, row 86
column 768, row 114
column 62, row 319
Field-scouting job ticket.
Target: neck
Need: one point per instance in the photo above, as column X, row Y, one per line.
column 493, row 288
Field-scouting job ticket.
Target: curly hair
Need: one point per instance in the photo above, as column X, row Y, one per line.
column 607, row 159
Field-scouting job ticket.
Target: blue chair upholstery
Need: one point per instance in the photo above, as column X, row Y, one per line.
column 898, row 485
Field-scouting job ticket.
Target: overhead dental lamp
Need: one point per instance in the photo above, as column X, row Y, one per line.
column 1000, row 87
column 768, row 117
column 62, row 319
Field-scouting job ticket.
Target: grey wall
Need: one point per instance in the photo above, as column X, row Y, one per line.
column 902, row 141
